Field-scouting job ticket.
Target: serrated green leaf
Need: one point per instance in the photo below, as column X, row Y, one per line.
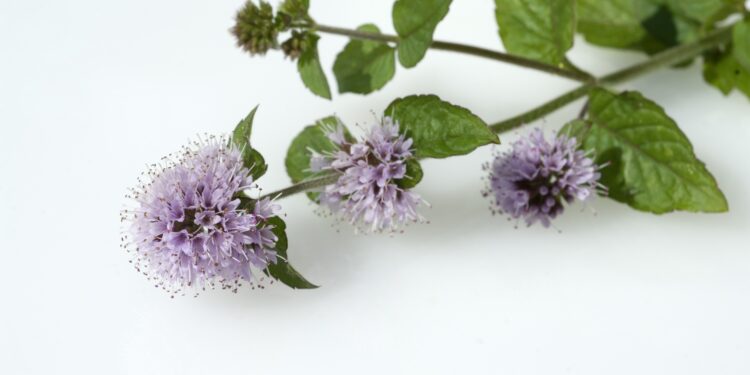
column 415, row 22
column 741, row 43
column 439, row 129
column 282, row 270
column 651, row 163
column 541, row 30
column 723, row 71
column 413, row 175
column 251, row 158
column 364, row 66
column 310, row 69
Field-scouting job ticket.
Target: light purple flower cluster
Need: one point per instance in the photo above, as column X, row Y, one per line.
column 367, row 193
column 188, row 228
column 537, row 178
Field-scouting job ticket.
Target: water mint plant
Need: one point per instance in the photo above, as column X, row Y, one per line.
column 195, row 225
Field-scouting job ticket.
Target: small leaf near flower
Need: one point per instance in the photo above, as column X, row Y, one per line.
column 651, row 165
column 310, row 69
column 313, row 138
column 413, row 175
column 415, row 22
column 364, row 66
column 251, row 158
column 282, row 270
column 541, row 30
column 439, row 129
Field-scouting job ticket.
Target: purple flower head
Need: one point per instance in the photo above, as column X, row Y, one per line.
column 367, row 193
column 187, row 228
column 536, row 178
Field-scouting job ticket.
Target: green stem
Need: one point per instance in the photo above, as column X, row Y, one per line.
column 574, row 74
column 303, row 186
column 668, row 57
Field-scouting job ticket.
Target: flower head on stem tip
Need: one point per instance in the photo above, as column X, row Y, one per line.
column 537, row 178
column 367, row 194
column 188, row 227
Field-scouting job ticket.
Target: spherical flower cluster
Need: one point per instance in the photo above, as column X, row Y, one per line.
column 188, row 226
column 367, row 194
column 537, row 178
column 256, row 28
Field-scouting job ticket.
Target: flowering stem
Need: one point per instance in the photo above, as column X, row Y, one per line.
column 303, row 186
column 572, row 73
column 668, row 57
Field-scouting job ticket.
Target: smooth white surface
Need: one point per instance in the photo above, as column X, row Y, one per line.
column 92, row 91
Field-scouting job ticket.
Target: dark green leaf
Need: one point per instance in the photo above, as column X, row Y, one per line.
column 706, row 12
column 439, row 129
column 542, row 30
column 644, row 25
column 364, row 66
column 722, row 70
column 310, row 69
column 741, row 43
column 251, row 158
column 282, row 270
column 651, row 163
column 415, row 22
column 413, row 175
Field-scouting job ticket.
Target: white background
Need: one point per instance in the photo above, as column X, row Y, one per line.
column 92, row 91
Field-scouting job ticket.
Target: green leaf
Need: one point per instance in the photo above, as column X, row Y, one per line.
column 244, row 129
column 364, row 66
column 439, row 129
column 251, row 158
column 415, row 22
column 722, row 70
column 651, row 163
column 541, row 30
column 296, row 9
column 310, row 69
column 643, row 25
column 615, row 23
column 313, row 138
column 413, row 175
column 741, row 43
column 707, row 12
column 282, row 270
